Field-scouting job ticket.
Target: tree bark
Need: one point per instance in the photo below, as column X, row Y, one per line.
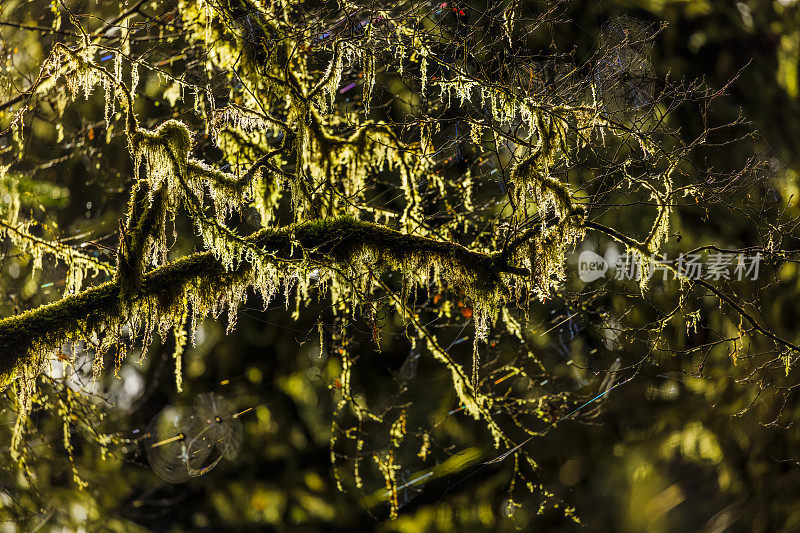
column 326, row 241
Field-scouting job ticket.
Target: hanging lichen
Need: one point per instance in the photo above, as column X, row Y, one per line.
column 322, row 202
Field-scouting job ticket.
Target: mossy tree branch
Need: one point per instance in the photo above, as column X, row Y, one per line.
column 326, row 241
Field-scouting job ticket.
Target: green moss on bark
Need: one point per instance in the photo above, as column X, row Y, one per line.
column 26, row 338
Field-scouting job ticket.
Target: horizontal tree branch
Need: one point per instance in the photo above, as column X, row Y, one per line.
column 326, row 241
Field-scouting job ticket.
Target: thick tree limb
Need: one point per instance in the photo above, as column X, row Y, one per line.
column 326, row 241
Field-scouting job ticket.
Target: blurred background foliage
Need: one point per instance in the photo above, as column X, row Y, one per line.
column 688, row 444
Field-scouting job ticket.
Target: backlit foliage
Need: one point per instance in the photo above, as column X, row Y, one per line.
column 333, row 153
